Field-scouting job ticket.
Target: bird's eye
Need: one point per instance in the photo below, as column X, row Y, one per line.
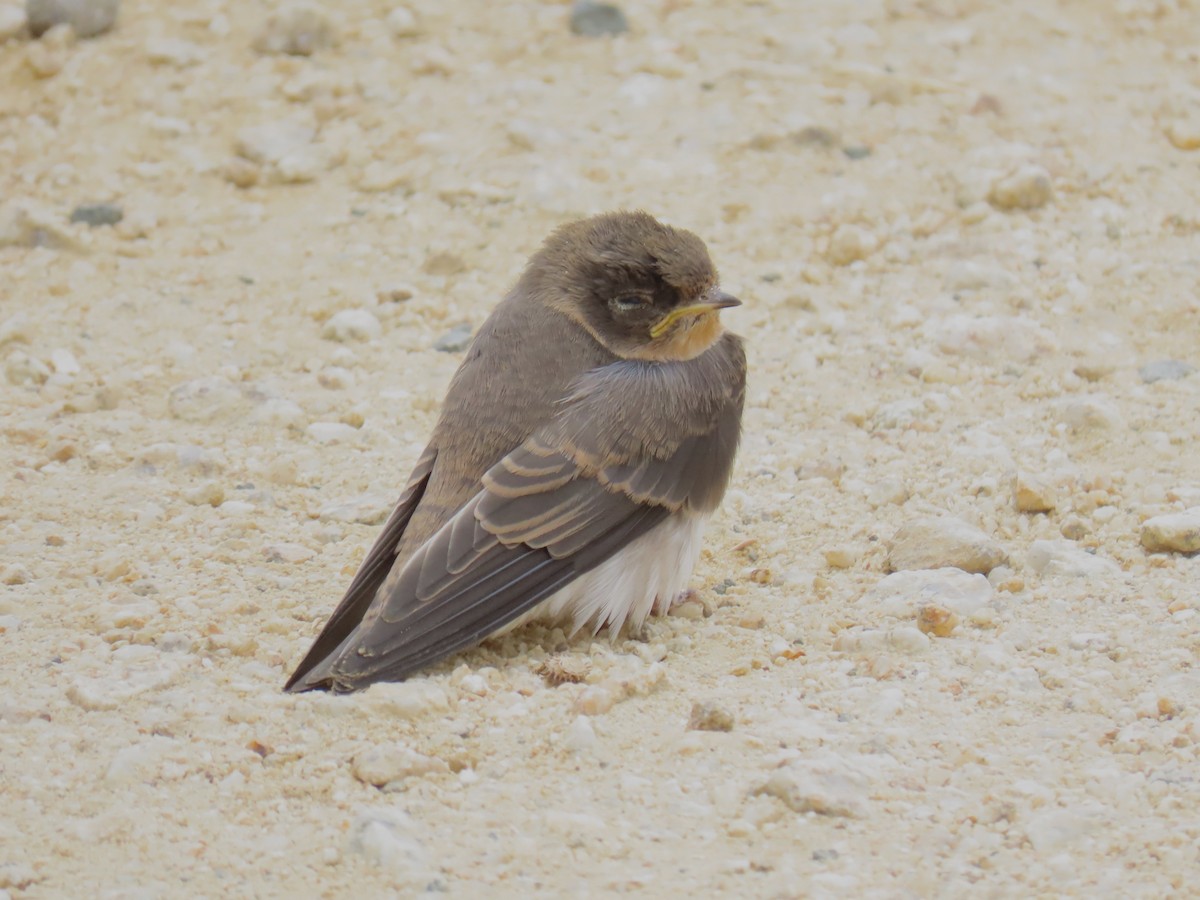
column 630, row 302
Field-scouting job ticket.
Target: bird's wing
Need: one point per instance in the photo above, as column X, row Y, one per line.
column 371, row 574
column 632, row 443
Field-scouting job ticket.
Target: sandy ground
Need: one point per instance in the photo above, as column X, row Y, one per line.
column 961, row 229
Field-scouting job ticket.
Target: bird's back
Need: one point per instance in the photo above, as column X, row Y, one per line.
column 500, row 395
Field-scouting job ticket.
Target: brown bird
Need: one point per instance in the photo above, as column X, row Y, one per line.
column 585, row 440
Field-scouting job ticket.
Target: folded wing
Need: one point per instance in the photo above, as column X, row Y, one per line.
column 631, row 444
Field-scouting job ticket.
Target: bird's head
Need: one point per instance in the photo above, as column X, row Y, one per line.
column 642, row 289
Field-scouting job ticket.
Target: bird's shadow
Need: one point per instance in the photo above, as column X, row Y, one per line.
column 532, row 642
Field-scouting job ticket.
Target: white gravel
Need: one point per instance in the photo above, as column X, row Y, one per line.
column 962, row 234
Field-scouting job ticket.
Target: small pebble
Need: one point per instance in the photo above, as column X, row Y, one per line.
column 1032, row 494
column 903, row 593
column 395, row 293
column 14, row 573
column 592, row 19
column 936, row 620
column 300, row 167
column 1067, row 559
column 1088, row 640
column 841, row 557
column 1167, row 708
column 385, row 764
column 995, row 339
column 1184, row 134
column 240, row 172
column 432, row 59
column 298, row 29
column 1094, row 368
column 208, row 399
column 1027, row 188
column 209, row 493
column 974, row 275
column 595, row 700
column 388, row 838
column 751, row 621
column 288, row 553
column 691, row 608
column 271, row 142
column 402, row 22
column 474, row 684
column 335, row 378
column 1089, row 413
column 874, row 641
column 47, row 57
column 827, row 788
column 366, row 509
column 12, row 21
column 29, row 226
column 279, row 412
column 174, row 52
column 581, row 736
column 87, row 18
column 96, row 214
column 940, row 541
column 444, row 263
column 64, row 362
column 851, row 243
column 403, row 700
column 889, row 491
column 21, row 368
column 352, row 325
column 455, row 340
column 1173, row 533
column 709, row 716
column 1165, row 370
column 331, row 432
column 1074, row 528
column 378, row 176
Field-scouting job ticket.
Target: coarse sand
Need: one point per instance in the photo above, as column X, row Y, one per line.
column 966, row 238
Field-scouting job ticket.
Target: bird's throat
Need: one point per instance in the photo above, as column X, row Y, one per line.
column 687, row 342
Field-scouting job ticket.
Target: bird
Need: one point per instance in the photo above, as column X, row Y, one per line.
column 585, row 440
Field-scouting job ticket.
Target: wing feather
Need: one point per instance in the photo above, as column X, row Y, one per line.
column 371, row 574
column 631, row 444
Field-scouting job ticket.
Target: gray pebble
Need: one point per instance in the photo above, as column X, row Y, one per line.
column 97, row 214
column 1165, row 370
column 815, row 136
column 455, row 340
column 592, row 19
column 297, row 29
column 856, row 151
column 86, row 17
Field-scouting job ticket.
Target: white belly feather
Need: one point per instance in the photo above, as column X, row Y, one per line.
column 647, row 574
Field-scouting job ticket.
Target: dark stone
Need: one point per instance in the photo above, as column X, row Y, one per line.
column 592, row 19
column 96, row 214
column 87, row 18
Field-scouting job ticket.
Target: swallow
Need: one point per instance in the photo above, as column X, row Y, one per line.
column 584, row 442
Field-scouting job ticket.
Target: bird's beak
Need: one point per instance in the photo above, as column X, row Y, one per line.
column 715, row 300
